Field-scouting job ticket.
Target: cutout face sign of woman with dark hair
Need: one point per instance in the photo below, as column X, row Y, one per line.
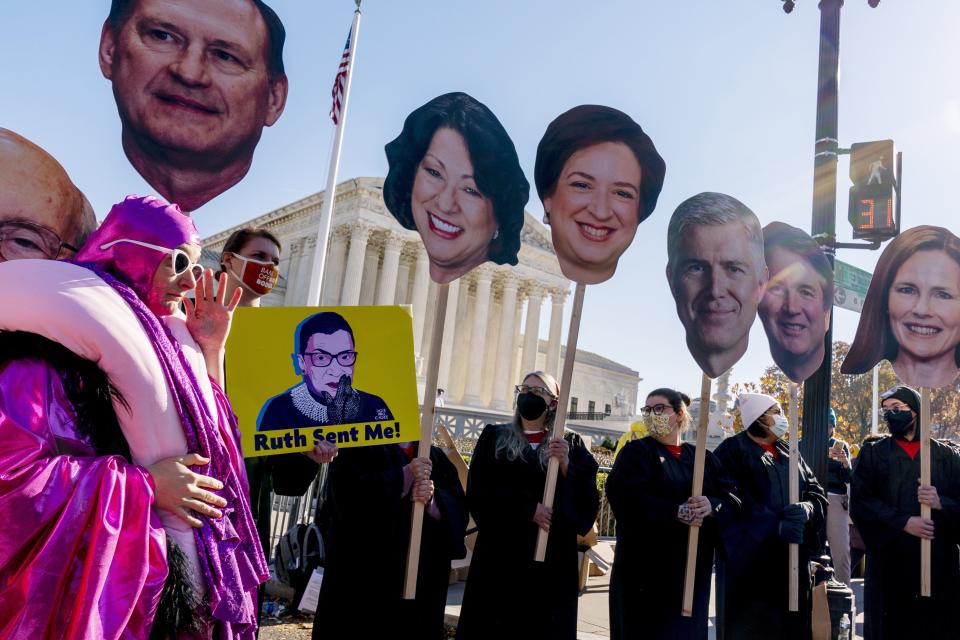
column 598, row 176
column 797, row 301
column 911, row 314
column 455, row 177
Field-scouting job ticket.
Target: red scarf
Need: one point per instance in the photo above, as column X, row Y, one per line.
column 535, row 438
column 674, row 449
column 771, row 448
column 911, row 448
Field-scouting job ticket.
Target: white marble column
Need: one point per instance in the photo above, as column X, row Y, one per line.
column 531, row 331
column 333, row 274
column 492, row 340
column 461, row 345
column 449, row 332
column 478, row 336
column 387, row 286
column 504, row 355
column 353, row 272
column 516, row 350
column 295, row 256
column 402, row 294
column 371, row 266
column 421, row 287
column 559, row 298
column 302, row 281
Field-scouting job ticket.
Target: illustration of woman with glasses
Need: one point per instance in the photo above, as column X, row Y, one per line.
column 504, row 490
column 649, row 491
column 325, row 356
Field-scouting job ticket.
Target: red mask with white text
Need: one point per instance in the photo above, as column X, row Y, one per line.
column 259, row 276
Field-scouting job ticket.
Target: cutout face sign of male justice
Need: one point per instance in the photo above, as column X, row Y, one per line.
column 599, row 176
column 717, row 273
column 455, row 178
column 797, row 301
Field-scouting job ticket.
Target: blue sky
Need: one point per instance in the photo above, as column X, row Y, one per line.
column 725, row 89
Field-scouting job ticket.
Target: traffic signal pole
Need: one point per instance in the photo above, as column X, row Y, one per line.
column 816, row 390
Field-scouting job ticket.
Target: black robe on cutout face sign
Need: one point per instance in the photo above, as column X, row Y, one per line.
column 884, row 497
column 752, row 579
column 508, row 595
column 645, row 489
column 369, row 531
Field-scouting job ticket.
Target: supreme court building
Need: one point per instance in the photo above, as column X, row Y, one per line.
column 492, row 329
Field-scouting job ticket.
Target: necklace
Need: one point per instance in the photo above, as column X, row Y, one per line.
column 308, row 405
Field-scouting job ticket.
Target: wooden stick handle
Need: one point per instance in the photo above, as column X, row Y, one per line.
column 553, row 465
column 699, row 459
column 925, row 589
column 793, row 472
column 426, row 436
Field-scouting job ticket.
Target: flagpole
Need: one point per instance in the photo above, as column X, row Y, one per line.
column 329, row 194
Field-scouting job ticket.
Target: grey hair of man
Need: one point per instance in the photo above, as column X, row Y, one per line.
column 512, row 442
column 713, row 209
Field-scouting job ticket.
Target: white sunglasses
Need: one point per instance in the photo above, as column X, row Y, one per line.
column 181, row 261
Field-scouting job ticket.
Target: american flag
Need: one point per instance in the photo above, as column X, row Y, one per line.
column 339, row 83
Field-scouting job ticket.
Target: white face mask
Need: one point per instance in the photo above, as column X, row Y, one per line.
column 780, row 425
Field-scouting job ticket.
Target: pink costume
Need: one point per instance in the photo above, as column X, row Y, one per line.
column 83, row 554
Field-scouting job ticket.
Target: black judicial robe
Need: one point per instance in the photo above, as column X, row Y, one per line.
column 368, row 522
column 645, row 489
column 507, row 594
column 752, row 580
column 884, row 497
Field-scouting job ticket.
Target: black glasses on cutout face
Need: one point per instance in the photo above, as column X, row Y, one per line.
column 321, row 358
column 21, row 239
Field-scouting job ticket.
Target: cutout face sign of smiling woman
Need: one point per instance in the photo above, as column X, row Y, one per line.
column 911, row 314
column 455, row 178
column 598, row 176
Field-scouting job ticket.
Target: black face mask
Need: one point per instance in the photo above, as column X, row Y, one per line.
column 531, row 406
column 899, row 422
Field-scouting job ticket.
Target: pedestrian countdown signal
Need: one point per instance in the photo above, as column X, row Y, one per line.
column 872, row 210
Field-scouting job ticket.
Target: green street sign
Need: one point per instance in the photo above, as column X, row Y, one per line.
column 850, row 286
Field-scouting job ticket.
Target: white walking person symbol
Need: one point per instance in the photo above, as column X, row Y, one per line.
column 875, row 168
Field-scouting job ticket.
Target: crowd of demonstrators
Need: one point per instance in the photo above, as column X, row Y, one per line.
column 885, row 505
column 505, row 487
column 649, row 490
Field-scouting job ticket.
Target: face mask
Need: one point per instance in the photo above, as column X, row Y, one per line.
column 780, row 426
column 258, row 276
column 657, row 426
column 531, row 406
column 898, row 422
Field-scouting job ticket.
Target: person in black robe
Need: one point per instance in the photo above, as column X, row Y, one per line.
column 509, row 595
column 649, row 490
column 885, row 506
column 366, row 520
column 753, row 577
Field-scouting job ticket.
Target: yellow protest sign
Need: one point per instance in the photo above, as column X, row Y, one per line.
column 342, row 374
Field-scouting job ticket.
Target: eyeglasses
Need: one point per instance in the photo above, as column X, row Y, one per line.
column 656, row 409
column 179, row 259
column 21, row 239
column 543, row 392
column 323, row 359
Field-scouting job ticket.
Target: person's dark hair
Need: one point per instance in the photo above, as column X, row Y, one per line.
column 874, row 341
column 276, row 34
column 239, row 239
column 677, row 399
column 325, row 322
column 496, row 167
column 798, row 241
column 591, row 124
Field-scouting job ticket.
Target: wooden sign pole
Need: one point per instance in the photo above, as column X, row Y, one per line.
column 793, row 481
column 925, row 479
column 693, row 534
column 426, row 437
column 553, row 466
